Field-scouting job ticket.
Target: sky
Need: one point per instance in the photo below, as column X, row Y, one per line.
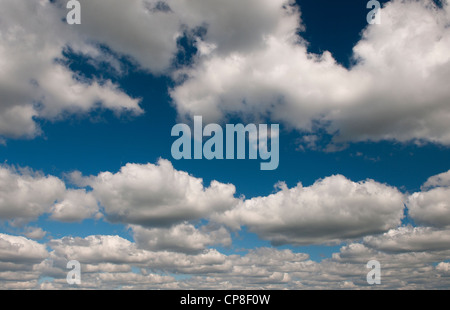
column 87, row 172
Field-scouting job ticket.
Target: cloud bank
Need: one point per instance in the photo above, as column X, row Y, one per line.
column 364, row 217
column 251, row 61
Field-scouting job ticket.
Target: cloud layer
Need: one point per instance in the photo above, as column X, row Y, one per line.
column 107, row 260
column 431, row 206
column 365, row 215
column 250, row 62
column 329, row 211
column 394, row 91
column 159, row 195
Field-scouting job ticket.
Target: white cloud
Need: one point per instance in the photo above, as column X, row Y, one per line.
column 76, row 206
column 330, row 210
column 159, row 195
column 106, row 267
column 410, row 239
column 235, row 25
column 272, row 257
column 431, row 206
column 98, row 249
column 132, row 279
column 157, row 25
column 440, row 180
column 444, row 268
column 405, row 62
column 251, row 62
column 76, row 178
column 27, row 195
column 34, row 85
column 16, row 249
column 107, row 263
column 18, row 285
column 153, row 42
column 35, row 233
column 396, row 91
column 184, row 238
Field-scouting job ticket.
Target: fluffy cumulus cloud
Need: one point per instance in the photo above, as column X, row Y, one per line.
column 444, row 268
column 440, row 180
column 76, row 205
column 159, row 195
column 98, row 249
column 19, row 261
column 395, row 91
column 108, row 259
column 333, row 209
column 233, row 25
column 35, row 233
column 431, row 206
column 19, row 249
column 180, row 238
column 157, row 25
column 410, row 239
column 250, row 61
column 330, row 210
column 33, row 83
column 25, row 195
column 153, row 42
column 406, row 98
column 107, row 263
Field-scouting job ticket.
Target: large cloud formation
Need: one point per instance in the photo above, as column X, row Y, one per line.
column 431, row 206
column 250, row 61
column 410, row 239
column 159, row 195
column 329, row 211
column 185, row 238
column 25, row 195
column 107, row 263
column 365, row 215
column 395, row 90
column 33, row 83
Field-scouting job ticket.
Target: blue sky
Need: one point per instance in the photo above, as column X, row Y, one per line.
column 363, row 112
